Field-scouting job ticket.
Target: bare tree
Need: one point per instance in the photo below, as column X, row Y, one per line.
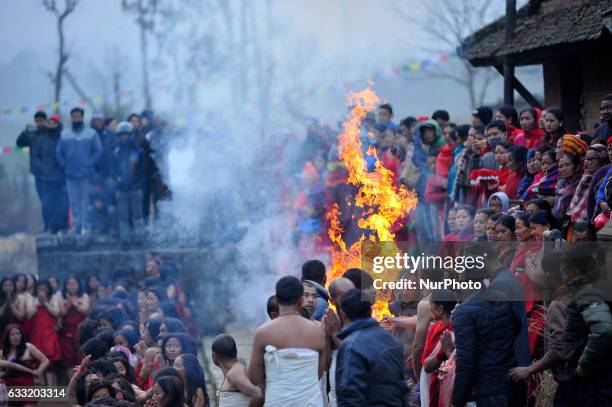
column 61, row 15
column 446, row 23
column 109, row 77
column 145, row 12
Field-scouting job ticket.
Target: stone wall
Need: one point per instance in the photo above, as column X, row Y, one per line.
column 17, row 254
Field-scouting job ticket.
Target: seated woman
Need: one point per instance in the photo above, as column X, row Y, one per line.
column 532, row 135
column 545, row 183
column 499, row 203
column 502, row 157
column 505, row 228
column 193, row 376
column 465, row 223
column 480, row 223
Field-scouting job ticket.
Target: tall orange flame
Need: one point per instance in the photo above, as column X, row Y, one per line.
column 382, row 201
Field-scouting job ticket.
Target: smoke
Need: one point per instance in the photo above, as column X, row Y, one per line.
column 233, row 185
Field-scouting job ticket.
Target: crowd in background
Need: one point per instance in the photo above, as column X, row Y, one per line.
column 504, row 162
column 103, row 178
column 131, row 337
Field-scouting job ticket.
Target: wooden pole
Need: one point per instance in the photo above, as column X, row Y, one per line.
column 508, row 67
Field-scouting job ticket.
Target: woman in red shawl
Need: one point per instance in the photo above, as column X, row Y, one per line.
column 502, row 157
column 509, row 115
column 44, row 323
column 518, row 169
column 437, row 350
column 527, row 245
column 532, row 135
column 75, row 305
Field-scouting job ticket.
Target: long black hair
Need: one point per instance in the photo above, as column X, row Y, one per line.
column 196, row 379
column 6, row 343
column 188, row 344
column 79, row 292
column 25, row 282
column 173, row 388
column 3, row 297
column 174, row 325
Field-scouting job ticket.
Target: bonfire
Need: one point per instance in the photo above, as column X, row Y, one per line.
column 382, row 202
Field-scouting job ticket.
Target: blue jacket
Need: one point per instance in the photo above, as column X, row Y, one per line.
column 109, row 143
column 128, row 167
column 78, row 152
column 485, row 328
column 601, row 192
column 370, row 367
column 504, row 282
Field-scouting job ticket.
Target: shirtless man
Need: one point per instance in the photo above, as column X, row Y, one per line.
column 236, row 389
column 289, row 350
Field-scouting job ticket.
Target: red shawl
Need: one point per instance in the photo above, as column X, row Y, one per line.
column 531, row 290
column 513, row 132
column 444, row 160
column 512, row 184
column 502, row 175
column 433, row 337
column 531, row 138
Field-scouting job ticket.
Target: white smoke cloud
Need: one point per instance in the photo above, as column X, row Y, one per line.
column 226, row 181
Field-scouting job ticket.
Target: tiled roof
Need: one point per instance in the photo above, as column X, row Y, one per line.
column 535, row 30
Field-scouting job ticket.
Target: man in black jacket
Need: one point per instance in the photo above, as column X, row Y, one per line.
column 485, row 329
column 128, row 174
column 370, row 368
column 30, row 138
column 587, row 340
column 54, row 195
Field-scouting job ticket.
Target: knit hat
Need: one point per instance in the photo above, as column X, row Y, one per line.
column 484, row 113
column 572, row 144
column 97, row 115
column 609, row 140
column 125, row 128
column 56, row 118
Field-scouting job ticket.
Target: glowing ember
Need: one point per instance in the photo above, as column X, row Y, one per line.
column 382, row 201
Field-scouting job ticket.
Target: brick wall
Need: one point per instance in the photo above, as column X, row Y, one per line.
column 597, row 82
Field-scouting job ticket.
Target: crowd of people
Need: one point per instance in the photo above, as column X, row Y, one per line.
column 103, row 178
column 129, row 339
column 444, row 348
column 505, row 161
column 503, row 185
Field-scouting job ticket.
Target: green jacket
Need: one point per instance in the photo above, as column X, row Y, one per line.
column 587, row 341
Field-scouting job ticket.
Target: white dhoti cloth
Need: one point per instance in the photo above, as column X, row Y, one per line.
column 424, row 388
column 233, row 399
column 333, row 400
column 292, row 378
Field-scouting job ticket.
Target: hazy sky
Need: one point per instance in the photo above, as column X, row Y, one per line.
column 95, row 24
column 349, row 38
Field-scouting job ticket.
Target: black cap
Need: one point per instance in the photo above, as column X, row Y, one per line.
column 484, row 113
